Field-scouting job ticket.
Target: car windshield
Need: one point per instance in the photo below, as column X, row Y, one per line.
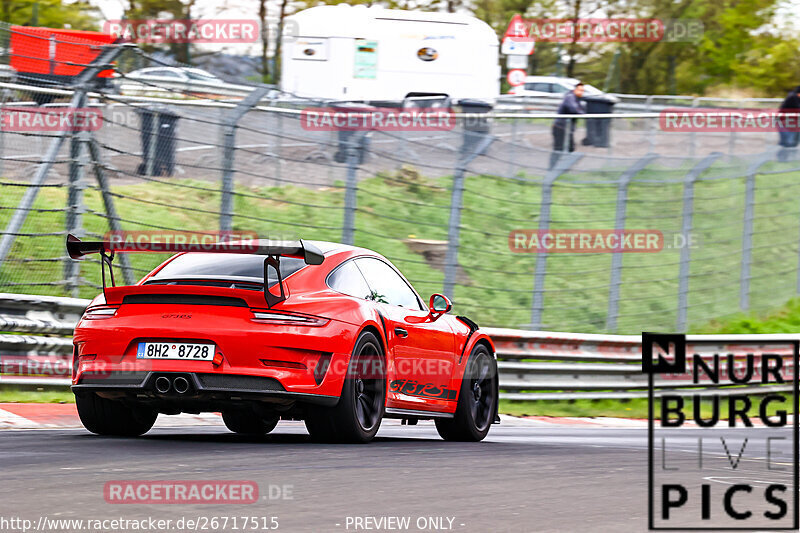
column 591, row 90
column 224, row 267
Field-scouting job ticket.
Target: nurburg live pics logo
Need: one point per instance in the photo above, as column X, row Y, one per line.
column 706, row 472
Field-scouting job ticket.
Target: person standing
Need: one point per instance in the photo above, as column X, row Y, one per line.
column 788, row 138
column 564, row 128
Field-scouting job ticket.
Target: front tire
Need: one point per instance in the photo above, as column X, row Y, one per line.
column 357, row 416
column 245, row 423
column 477, row 400
column 113, row 418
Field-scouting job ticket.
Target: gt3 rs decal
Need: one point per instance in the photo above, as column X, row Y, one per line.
column 427, row 390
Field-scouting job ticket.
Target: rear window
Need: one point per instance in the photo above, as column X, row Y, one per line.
column 234, row 267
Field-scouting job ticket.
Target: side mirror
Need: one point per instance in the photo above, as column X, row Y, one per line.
column 439, row 304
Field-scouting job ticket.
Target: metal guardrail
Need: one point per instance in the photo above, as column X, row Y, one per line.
column 533, row 365
column 35, row 348
column 536, row 365
column 635, row 103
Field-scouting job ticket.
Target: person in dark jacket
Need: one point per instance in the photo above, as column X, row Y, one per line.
column 791, row 104
column 564, row 128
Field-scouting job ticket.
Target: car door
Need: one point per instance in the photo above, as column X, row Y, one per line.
column 422, row 349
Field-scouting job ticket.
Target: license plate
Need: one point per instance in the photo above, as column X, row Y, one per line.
column 175, row 350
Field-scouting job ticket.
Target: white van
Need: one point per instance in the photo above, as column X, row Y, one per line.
column 359, row 53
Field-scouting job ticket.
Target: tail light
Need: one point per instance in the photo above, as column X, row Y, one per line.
column 271, row 317
column 96, row 313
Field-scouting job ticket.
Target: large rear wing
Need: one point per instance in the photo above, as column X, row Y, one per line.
column 271, row 250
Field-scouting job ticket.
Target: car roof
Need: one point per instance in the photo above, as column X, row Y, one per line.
column 550, row 78
column 150, row 69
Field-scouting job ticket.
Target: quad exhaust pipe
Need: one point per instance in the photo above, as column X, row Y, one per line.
column 180, row 384
column 163, row 385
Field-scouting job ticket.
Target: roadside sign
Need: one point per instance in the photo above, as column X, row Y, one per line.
column 516, row 77
column 512, row 46
column 516, row 40
column 516, row 61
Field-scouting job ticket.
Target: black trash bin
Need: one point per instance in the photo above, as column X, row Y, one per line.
column 355, row 138
column 162, row 140
column 598, row 130
column 476, row 129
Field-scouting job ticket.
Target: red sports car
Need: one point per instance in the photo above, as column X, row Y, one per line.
column 326, row 333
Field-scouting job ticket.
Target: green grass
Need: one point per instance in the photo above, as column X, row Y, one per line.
column 499, row 285
column 634, row 408
column 614, row 408
column 28, row 395
column 784, row 319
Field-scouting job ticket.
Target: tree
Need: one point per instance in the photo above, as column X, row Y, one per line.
column 262, row 18
column 167, row 10
column 79, row 15
column 279, row 40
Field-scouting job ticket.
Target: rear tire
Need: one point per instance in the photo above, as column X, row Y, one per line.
column 113, row 418
column 477, row 400
column 245, row 423
column 357, row 416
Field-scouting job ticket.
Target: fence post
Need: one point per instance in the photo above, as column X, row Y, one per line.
column 475, row 143
column 512, row 151
column 351, row 188
column 101, row 62
column 278, row 142
column 3, row 95
column 73, row 215
column 563, row 164
column 650, row 125
column 747, row 228
column 155, row 129
column 228, row 149
column 686, row 228
column 111, row 210
column 619, row 224
column 693, row 135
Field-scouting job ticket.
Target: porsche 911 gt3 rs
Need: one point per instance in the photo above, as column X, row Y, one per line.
column 322, row 332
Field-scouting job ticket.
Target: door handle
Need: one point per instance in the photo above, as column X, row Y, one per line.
column 400, row 332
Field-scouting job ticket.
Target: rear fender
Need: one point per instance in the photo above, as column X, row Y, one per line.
column 476, row 338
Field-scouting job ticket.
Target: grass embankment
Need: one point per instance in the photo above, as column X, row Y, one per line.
column 497, row 285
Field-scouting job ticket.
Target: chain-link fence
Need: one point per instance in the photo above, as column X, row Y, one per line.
column 441, row 203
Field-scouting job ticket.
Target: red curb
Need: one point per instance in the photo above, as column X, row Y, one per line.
column 44, row 413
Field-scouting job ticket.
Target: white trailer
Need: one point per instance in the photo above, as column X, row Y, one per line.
column 360, row 53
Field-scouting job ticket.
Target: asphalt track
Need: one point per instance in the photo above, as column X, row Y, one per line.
column 521, row 478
